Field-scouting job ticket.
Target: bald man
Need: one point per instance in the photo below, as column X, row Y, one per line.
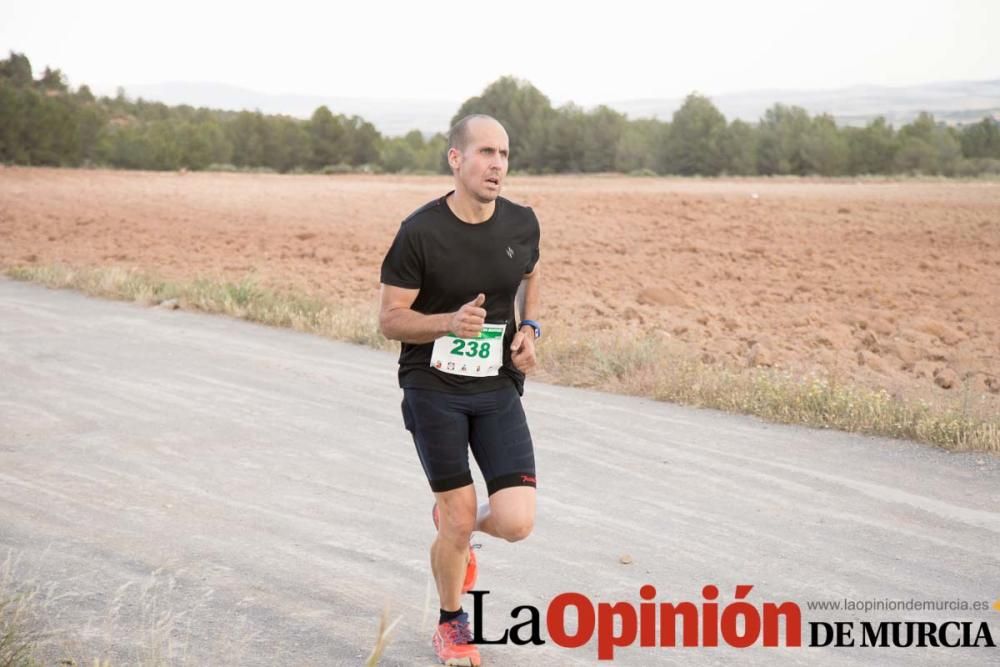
column 450, row 294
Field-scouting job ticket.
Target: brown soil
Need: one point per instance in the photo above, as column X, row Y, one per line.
column 893, row 285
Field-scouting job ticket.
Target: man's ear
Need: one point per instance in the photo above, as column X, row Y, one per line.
column 454, row 158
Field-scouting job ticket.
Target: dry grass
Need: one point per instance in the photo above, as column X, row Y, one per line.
column 17, row 637
column 21, row 618
column 244, row 299
column 385, row 628
column 29, row 636
column 33, row 631
column 646, row 365
column 652, row 366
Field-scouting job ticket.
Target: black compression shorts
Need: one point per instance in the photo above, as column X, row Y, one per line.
column 492, row 423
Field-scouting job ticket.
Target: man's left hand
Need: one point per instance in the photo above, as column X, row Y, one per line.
column 523, row 351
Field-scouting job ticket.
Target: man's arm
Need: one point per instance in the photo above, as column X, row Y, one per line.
column 529, row 295
column 398, row 321
column 528, row 302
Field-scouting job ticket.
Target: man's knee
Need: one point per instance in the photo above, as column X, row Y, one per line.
column 457, row 518
column 458, row 528
column 512, row 512
column 516, row 529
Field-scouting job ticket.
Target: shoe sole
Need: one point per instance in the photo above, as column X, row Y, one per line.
column 462, row 662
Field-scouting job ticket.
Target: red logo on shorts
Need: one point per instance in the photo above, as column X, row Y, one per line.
column 527, row 479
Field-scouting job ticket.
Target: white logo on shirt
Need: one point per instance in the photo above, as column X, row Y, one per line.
column 510, row 252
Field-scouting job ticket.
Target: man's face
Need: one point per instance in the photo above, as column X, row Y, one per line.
column 482, row 166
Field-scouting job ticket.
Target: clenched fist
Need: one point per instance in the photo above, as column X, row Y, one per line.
column 523, row 351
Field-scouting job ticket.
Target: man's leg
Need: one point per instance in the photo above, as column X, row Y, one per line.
column 440, row 433
column 510, row 514
column 501, row 442
column 450, row 550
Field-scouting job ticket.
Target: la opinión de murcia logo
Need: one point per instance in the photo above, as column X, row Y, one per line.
column 708, row 623
column 616, row 625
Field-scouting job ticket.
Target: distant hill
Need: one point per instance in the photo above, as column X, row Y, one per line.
column 392, row 117
column 952, row 102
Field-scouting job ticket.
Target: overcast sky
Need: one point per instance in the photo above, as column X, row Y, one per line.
column 617, row 50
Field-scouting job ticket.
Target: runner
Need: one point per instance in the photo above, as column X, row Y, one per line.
column 449, row 285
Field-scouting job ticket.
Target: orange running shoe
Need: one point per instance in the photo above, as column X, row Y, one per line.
column 472, row 569
column 451, row 643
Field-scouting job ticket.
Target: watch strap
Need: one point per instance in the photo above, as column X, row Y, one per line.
column 534, row 325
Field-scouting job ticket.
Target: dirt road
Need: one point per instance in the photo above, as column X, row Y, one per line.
column 253, row 491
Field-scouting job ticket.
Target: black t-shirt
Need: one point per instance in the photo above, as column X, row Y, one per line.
column 450, row 262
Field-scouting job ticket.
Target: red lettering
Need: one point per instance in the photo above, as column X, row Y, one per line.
column 793, row 623
column 710, row 617
column 555, row 620
column 668, row 623
column 730, row 628
column 606, row 639
column 647, row 617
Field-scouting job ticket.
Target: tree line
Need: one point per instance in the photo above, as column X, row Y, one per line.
column 45, row 122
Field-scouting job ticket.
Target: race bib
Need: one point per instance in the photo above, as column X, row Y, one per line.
column 475, row 357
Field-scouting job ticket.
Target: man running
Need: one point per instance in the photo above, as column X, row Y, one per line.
column 449, row 286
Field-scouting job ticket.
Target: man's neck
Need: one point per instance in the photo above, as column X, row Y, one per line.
column 468, row 209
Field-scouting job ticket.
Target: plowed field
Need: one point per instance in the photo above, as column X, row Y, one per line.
column 892, row 285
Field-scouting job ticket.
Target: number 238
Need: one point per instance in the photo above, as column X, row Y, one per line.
column 472, row 348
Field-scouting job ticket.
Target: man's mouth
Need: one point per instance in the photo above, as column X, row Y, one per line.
column 493, row 180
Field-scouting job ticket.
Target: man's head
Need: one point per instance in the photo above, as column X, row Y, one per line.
column 478, row 149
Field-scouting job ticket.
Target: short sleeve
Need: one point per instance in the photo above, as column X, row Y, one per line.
column 403, row 265
column 535, row 238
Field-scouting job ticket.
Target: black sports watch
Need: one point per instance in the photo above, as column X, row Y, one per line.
column 534, row 325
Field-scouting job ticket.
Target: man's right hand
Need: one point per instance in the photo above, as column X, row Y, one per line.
column 468, row 320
